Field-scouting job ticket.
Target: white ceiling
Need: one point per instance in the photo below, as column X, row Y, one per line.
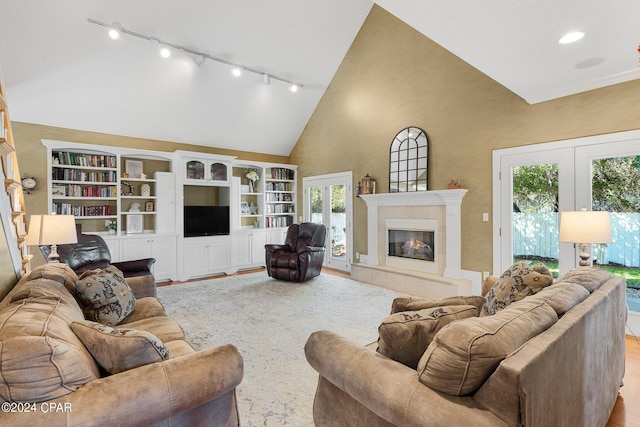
column 60, row 70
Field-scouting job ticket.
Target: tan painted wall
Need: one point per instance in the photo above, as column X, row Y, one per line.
column 394, row 77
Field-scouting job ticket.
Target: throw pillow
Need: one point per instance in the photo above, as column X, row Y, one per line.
column 517, row 282
column 464, row 354
column 105, row 295
column 405, row 336
column 118, row 350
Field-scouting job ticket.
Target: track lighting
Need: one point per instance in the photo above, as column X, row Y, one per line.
column 165, row 52
column 116, row 30
column 199, row 60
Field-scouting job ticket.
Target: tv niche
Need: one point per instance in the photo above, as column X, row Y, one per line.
column 206, row 221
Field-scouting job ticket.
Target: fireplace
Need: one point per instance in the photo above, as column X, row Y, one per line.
column 414, row 244
column 411, row 243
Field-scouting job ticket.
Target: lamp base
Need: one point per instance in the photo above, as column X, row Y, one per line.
column 54, row 257
column 584, row 256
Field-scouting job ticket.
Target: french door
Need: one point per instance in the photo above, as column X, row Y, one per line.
column 328, row 201
column 597, row 173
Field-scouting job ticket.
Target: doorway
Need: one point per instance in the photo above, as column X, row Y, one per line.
column 599, row 173
column 328, row 201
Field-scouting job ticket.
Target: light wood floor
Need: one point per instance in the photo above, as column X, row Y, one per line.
column 626, row 412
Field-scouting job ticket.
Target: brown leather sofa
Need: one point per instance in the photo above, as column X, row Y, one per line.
column 92, row 252
column 300, row 257
column 54, row 374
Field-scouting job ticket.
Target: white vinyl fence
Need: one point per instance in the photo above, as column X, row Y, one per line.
column 536, row 234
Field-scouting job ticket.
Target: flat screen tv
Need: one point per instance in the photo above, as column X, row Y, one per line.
column 206, row 221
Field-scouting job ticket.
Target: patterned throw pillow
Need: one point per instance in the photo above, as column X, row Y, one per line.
column 118, row 350
column 105, row 295
column 517, row 282
column 405, row 336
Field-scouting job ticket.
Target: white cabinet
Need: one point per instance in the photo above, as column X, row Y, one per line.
column 277, row 237
column 205, row 256
column 203, row 171
column 248, row 248
column 162, row 248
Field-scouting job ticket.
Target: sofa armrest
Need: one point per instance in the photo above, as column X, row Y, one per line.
column 387, row 388
column 138, row 266
column 312, row 249
column 146, row 395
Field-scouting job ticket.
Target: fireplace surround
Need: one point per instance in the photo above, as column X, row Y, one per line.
column 436, row 211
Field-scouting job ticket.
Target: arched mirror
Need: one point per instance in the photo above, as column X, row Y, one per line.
column 408, row 161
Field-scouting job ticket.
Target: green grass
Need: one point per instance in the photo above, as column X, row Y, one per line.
column 632, row 274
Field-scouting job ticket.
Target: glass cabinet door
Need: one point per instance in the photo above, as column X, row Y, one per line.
column 195, row 170
column 218, row 172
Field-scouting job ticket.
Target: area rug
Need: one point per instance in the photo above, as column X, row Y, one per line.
column 269, row 321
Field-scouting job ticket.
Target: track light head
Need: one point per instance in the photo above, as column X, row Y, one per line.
column 266, row 78
column 115, row 31
column 199, row 60
column 293, row 87
column 236, row 71
column 165, row 52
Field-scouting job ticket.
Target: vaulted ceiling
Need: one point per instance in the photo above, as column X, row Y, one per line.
column 61, row 70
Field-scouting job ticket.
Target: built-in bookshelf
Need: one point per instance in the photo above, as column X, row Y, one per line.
column 280, row 196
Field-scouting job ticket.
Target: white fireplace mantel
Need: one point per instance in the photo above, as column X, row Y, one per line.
column 451, row 199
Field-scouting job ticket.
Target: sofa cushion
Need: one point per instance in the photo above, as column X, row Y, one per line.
column 40, row 356
column 412, row 303
column 105, row 295
column 562, row 297
column 405, row 336
column 465, row 353
column 146, row 308
column 589, row 277
column 517, row 282
column 120, row 349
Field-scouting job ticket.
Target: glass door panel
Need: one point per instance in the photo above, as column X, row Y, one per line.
column 535, row 214
column 338, row 222
column 316, row 204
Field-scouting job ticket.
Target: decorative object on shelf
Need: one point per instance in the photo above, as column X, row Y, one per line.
column 367, row 185
column 134, row 207
column 58, row 190
column 253, row 177
column 29, row 183
column 253, row 209
column 134, row 224
column 454, row 183
column 126, row 189
column 408, row 161
column 256, row 224
column 52, row 230
column 148, row 206
column 244, row 208
column 584, row 228
column 133, row 168
column 110, row 225
column 145, row 190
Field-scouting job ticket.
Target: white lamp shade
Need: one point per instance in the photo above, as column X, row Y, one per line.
column 52, row 230
column 585, row 227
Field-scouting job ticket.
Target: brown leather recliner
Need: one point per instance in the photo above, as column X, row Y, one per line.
column 92, row 252
column 300, row 257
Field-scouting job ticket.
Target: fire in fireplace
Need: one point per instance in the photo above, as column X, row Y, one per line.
column 413, row 244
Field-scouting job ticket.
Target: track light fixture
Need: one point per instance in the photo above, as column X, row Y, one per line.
column 199, row 60
column 116, row 30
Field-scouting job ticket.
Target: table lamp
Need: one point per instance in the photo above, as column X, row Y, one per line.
column 585, row 228
column 52, row 230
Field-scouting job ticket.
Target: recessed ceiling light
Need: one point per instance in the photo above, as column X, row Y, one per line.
column 571, row 37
